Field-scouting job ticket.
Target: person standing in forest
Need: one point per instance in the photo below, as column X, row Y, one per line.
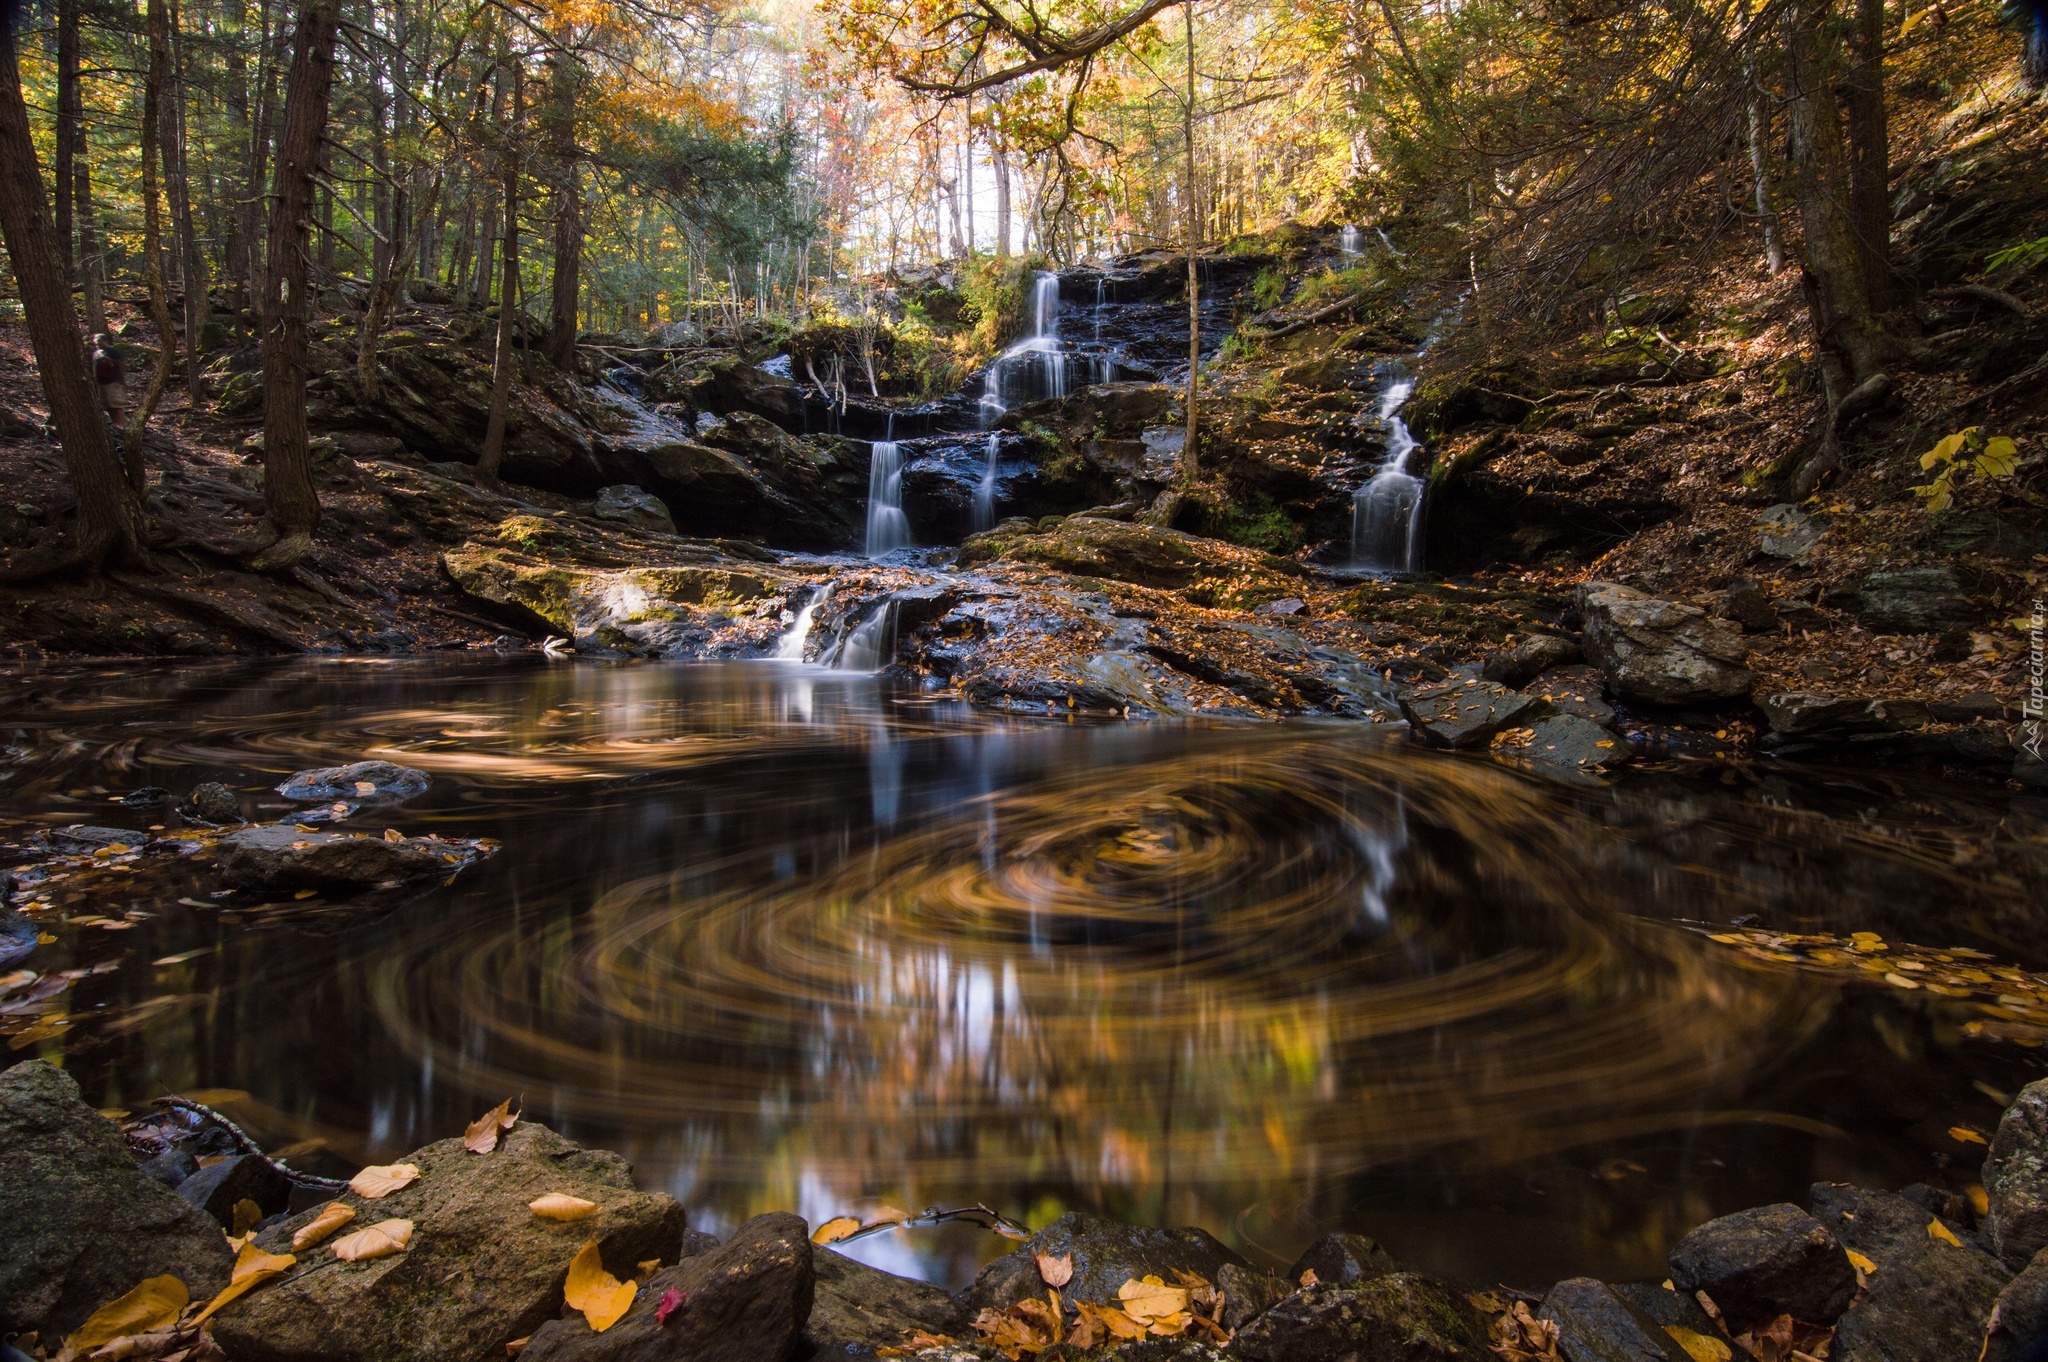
column 110, row 375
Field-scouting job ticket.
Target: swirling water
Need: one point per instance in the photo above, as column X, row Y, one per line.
column 785, row 937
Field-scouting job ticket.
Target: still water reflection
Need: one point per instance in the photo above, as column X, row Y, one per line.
column 787, row 939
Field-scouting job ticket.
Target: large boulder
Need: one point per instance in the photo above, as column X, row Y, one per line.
column 2017, row 1330
column 1596, row 1324
column 82, row 1225
column 481, row 1271
column 1924, row 600
column 745, row 1301
column 629, row 505
column 2016, row 1178
column 1661, row 652
column 284, row 856
column 1402, row 1315
column 1106, row 1253
column 1928, row 1299
column 732, row 385
column 860, row 1310
column 1466, row 713
column 1762, row 1263
column 1088, row 547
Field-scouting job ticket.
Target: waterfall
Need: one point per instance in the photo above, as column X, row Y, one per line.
column 1038, row 352
column 1347, row 241
column 888, row 527
column 872, row 644
column 985, row 490
column 1386, row 513
column 790, row 647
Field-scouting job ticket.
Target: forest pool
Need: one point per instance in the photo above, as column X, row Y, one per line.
column 788, row 938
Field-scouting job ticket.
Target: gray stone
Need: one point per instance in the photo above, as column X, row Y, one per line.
column 1532, row 655
column 84, row 837
column 1567, row 743
column 1107, row 1253
column 1594, row 1324
column 170, row 1168
column 2016, row 1178
column 1978, row 704
column 1921, row 600
column 1402, row 1315
column 83, row 1226
column 1787, row 532
column 1801, row 711
column 859, row 1309
column 629, row 505
column 1249, row 1293
column 1466, row 714
column 211, row 802
column 1762, row 1263
column 282, row 856
column 745, row 1301
column 1928, row 1300
column 1661, row 652
column 482, row 1269
column 369, row 782
column 1744, row 603
column 1575, row 690
column 217, row 1187
column 1667, row 1307
column 1343, row 1260
column 2017, row 1330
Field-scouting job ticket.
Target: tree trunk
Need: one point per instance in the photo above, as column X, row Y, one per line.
column 385, row 296
column 493, row 454
column 154, row 80
column 91, row 264
column 260, row 138
column 235, row 258
column 292, row 508
column 111, row 525
column 70, row 119
column 1844, row 323
column 1190, row 457
column 568, row 212
column 179, row 182
column 1870, row 153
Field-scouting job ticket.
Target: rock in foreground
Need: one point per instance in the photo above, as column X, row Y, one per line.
column 859, row 1309
column 81, row 1224
column 481, row 1270
column 1401, row 1315
column 1762, row 1263
column 283, row 856
column 1662, row 652
column 1106, row 1253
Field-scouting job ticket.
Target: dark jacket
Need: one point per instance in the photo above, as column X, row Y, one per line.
column 108, row 366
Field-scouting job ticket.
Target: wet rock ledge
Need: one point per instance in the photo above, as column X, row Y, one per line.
column 510, row 1240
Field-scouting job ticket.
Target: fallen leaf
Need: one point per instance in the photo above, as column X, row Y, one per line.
column 1980, row 1200
column 381, row 1180
column 305, row 893
column 1055, row 1271
column 1965, row 1135
column 1149, row 1298
column 556, row 1206
column 380, row 1240
column 671, row 1301
column 253, row 1267
column 834, row 1230
column 246, row 1214
column 182, row 956
column 1937, row 1230
column 157, row 1301
column 1859, row 1262
column 482, row 1135
column 601, row 1297
column 331, row 1218
column 917, row 1341
column 1519, row 1336
column 517, row 1346
column 366, row 787
column 1699, row 1347
column 393, row 835
column 1309, row 1279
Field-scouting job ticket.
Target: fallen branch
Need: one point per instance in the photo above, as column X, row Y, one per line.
column 249, row 1146
column 1310, row 320
column 1981, row 293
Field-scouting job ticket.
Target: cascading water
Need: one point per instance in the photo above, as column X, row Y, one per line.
column 1038, row 355
column 1347, row 241
column 1386, row 513
column 790, row 647
column 985, row 490
column 872, row 644
column 888, row 527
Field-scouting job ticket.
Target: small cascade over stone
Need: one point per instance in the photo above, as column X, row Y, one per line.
column 1386, row 513
column 888, row 527
column 1348, row 242
column 790, row 647
column 872, row 644
column 985, row 490
column 1036, row 366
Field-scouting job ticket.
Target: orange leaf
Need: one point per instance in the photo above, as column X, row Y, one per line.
column 331, row 1218
column 253, row 1267
column 601, row 1297
column 834, row 1230
column 1055, row 1271
column 482, row 1135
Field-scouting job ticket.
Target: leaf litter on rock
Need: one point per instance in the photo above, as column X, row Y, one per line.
column 481, row 1135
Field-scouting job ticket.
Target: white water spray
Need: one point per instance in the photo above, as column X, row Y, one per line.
column 790, row 647
column 1039, row 350
column 1347, row 241
column 985, row 490
column 888, row 527
column 1386, row 513
column 872, row 644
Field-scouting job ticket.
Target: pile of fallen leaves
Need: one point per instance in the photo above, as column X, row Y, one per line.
column 2015, row 1000
column 1519, row 1336
column 1146, row 1307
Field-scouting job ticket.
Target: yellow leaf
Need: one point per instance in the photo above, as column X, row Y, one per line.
column 1699, row 1347
column 1055, row 1271
column 157, row 1301
column 380, row 1240
column 555, row 1206
column 1965, row 1135
column 834, row 1230
column 393, row 835
column 1937, row 1230
column 253, row 1267
column 1999, row 459
column 481, row 1136
column 1151, row 1299
column 246, row 1214
column 1980, row 1200
column 381, row 1180
column 600, row 1296
column 331, row 1218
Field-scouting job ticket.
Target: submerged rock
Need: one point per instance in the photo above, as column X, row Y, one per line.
column 1661, row 652
column 860, row 1309
column 284, row 856
column 2016, row 1178
column 1567, row 744
column 1466, row 713
column 1107, row 1253
column 369, row 782
column 745, row 1301
column 1762, row 1263
column 481, row 1270
column 1401, row 1315
column 211, row 802
column 81, row 1224
column 1928, row 1298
